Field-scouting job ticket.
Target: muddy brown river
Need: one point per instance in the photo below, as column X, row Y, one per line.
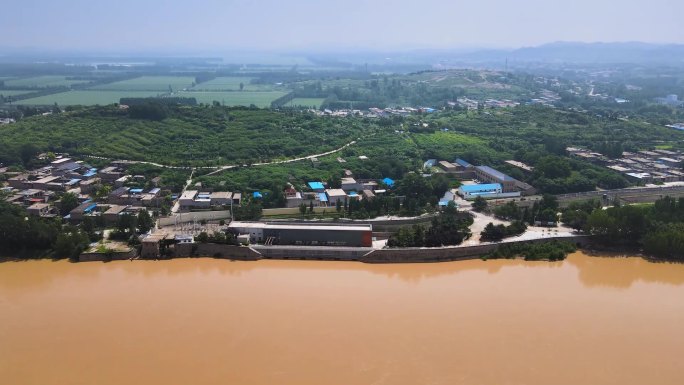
column 586, row 320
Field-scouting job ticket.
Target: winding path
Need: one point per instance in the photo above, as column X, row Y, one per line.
column 218, row 169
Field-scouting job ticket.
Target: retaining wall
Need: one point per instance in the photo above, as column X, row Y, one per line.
column 408, row 255
column 104, row 257
column 214, row 250
column 313, row 252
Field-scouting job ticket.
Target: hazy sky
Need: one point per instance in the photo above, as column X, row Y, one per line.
column 332, row 24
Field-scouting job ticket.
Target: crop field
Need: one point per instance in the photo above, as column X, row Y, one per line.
column 235, row 98
column 229, row 83
column 42, row 82
column 86, row 98
column 6, row 93
column 149, row 83
column 305, row 102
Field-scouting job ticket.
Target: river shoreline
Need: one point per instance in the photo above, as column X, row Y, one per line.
column 590, row 251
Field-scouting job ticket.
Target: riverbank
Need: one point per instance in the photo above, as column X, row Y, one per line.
column 355, row 254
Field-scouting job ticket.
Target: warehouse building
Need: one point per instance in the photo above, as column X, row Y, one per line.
column 489, row 175
column 304, row 234
column 487, row 191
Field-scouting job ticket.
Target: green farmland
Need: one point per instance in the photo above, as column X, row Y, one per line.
column 229, row 83
column 235, row 98
column 42, row 82
column 7, row 93
column 86, row 98
column 148, row 83
column 305, row 102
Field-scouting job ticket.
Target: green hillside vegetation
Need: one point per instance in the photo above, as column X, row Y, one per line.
column 188, row 136
column 389, row 155
column 215, row 135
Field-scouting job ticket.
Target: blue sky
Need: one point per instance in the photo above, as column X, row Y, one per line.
column 331, row 24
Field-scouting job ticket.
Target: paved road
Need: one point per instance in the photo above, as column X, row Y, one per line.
column 176, row 206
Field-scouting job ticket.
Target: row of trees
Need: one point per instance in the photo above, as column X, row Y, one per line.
column 658, row 228
column 551, row 251
column 495, row 233
column 448, row 228
column 544, row 211
column 22, row 233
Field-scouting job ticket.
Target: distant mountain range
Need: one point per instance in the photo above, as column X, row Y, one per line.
column 553, row 53
column 569, row 52
column 559, row 53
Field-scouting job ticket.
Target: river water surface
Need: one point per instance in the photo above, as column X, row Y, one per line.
column 586, row 320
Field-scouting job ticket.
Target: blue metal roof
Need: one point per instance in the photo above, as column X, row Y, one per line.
column 322, row 197
column 495, row 173
column 91, row 172
column 90, row 208
column 352, row 194
column 135, row 191
column 388, row 181
column 475, row 188
column 462, row 162
column 257, row 194
column 316, row 185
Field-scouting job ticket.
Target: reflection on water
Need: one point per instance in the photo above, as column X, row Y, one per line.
column 203, row 321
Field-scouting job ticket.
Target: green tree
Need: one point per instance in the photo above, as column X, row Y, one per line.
column 69, row 244
column 144, row 221
column 479, row 204
column 103, row 192
column 68, row 202
column 202, row 237
column 28, row 151
column 493, row 233
column 127, row 224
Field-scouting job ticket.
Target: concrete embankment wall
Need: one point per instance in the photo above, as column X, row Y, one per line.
column 409, row 255
column 104, row 257
column 366, row 255
column 313, row 252
column 215, row 250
